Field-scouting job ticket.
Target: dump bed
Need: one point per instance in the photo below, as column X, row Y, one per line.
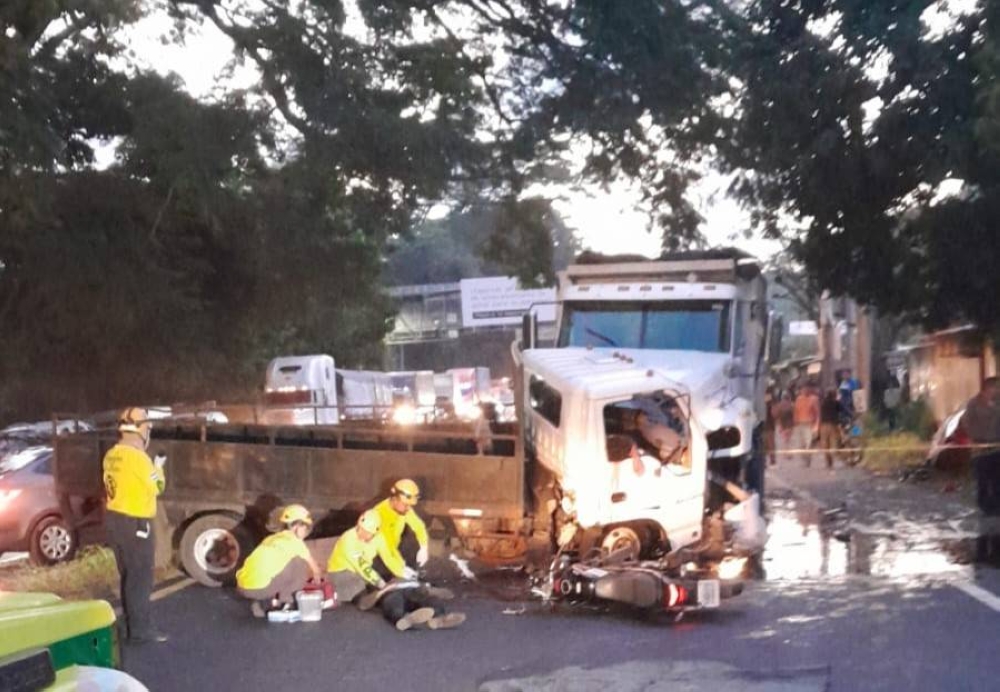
column 328, row 469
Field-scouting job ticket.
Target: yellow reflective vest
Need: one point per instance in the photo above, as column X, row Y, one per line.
column 392, row 526
column 132, row 481
column 269, row 558
column 355, row 555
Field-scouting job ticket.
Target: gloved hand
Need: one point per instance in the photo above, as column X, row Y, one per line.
column 380, row 584
column 160, row 460
column 410, row 573
column 422, row 556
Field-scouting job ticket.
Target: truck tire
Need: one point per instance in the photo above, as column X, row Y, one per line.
column 624, row 538
column 51, row 541
column 213, row 547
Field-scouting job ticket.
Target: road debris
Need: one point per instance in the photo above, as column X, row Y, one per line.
column 463, row 566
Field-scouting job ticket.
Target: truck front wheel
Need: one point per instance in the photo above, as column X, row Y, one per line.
column 622, row 538
column 213, row 547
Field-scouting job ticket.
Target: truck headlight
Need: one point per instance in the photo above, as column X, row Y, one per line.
column 711, row 419
column 404, row 414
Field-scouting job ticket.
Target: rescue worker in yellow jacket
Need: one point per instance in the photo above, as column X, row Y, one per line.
column 351, row 570
column 132, row 481
column 280, row 566
column 404, row 531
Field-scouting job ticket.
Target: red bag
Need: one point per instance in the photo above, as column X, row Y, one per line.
column 329, row 595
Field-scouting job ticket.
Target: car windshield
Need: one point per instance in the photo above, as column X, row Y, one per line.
column 689, row 325
column 19, row 460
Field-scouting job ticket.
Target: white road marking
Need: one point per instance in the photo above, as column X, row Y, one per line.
column 173, row 588
column 979, row 593
column 10, row 558
column 162, row 593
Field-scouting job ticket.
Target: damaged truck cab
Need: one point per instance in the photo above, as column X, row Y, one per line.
column 644, row 419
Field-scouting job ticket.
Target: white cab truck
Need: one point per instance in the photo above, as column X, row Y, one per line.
column 644, row 419
column 637, row 431
column 301, row 390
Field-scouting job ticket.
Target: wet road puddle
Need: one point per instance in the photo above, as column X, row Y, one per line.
column 805, row 543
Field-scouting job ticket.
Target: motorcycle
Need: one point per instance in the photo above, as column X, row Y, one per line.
column 651, row 586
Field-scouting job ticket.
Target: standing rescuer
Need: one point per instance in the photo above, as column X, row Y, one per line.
column 404, row 531
column 132, row 481
column 280, row 566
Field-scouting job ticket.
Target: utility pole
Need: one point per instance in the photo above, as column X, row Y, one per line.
column 826, row 335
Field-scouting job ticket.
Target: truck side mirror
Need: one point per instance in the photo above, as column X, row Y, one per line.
column 529, row 330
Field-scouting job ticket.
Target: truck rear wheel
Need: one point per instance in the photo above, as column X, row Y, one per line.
column 213, row 547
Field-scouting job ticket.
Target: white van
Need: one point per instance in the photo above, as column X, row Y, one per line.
column 301, row 390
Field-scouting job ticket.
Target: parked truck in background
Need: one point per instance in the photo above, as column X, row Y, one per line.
column 301, row 390
column 414, row 397
column 681, row 340
column 471, row 387
column 364, row 394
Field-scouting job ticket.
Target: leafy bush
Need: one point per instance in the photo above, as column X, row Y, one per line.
column 914, row 417
column 887, row 451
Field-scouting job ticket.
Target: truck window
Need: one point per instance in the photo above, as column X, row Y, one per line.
column 545, row 400
column 686, row 325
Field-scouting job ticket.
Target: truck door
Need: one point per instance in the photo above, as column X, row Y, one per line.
column 652, row 477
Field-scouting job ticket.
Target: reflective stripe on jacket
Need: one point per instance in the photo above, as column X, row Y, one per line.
column 132, row 481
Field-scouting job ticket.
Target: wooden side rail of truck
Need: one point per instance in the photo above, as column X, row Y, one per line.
column 224, row 481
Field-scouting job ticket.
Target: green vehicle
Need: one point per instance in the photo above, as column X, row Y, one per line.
column 47, row 643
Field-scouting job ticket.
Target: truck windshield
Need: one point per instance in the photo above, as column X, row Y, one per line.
column 686, row 325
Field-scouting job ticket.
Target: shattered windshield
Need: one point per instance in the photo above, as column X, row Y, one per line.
column 688, row 325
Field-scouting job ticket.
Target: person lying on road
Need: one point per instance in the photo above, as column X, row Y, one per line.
column 352, row 572
column 280, row 566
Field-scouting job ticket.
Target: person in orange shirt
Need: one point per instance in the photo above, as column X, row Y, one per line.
column 784, row 423
column 806, row 419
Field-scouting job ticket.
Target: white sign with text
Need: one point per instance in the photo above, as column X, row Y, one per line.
column 497, row 300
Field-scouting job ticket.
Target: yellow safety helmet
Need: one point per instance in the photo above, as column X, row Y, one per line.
column 294, row 513
column 135, row 420
column 369, row 521
column 407, row 490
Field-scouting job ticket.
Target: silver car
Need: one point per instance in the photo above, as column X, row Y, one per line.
column 30, row 519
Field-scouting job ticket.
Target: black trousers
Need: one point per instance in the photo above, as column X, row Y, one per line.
column 396, row 604
column 408, row 548
column 134, row 555
column 987, row 469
